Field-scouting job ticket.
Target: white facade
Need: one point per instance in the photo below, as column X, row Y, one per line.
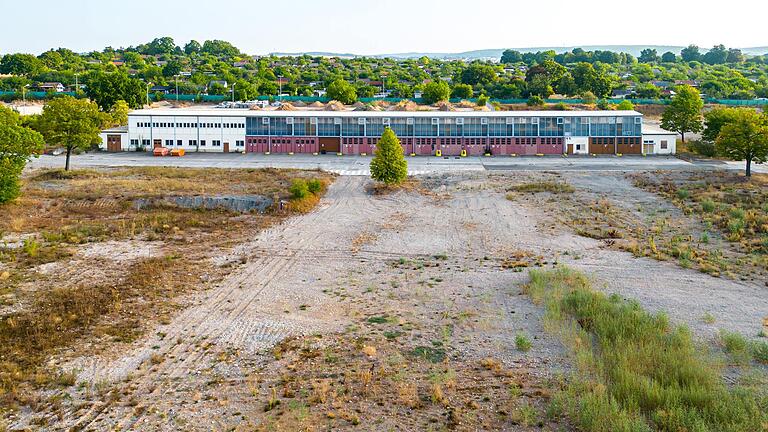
column 196, row 133
column 580, row 144
column 659, row 141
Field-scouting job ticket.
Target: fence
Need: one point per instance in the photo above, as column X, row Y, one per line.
column 35, row 95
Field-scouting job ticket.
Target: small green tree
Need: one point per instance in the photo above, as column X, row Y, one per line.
column 17, row 145
column 462, row 91
column 342, row 91
column 714, row 121
column 745, row 138
column 436, row 91
column 483, row 100
column 71, row 123
column 684, row 112
column 625, row 105
column 388, row 164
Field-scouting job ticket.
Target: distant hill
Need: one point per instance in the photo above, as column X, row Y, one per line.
column 496, row 53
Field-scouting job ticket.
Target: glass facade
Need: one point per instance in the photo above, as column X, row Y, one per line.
column 447, row 126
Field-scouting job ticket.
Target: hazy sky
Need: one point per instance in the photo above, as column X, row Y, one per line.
column 383, row 26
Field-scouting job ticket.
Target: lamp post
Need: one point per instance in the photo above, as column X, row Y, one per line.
column 280, row 92
column 233, row 92
column 24, row 93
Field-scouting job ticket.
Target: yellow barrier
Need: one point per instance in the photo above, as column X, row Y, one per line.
column 290, row 153
column 463, row 153
column 339, row 154
column 438, row 153
column 266, row 153
column 413, row 154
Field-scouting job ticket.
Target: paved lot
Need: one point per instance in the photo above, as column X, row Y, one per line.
column 358, row 165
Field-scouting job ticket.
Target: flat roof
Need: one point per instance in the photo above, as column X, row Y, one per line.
column 238, row 112
column 655, row 130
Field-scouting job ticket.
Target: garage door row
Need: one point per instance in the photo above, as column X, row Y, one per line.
column 446, row 146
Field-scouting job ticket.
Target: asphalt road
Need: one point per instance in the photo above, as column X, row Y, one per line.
column 358, row 165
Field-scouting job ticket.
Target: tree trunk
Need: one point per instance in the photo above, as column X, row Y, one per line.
column 69, row 153
column 749, row 167
column 682, row 134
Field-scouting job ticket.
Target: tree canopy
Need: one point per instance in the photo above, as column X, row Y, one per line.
column 683, row 114
column 745, row 137
column 17, row 145
column 342, row 91
column 436, row 91
column 71, row 123
column 107, row 88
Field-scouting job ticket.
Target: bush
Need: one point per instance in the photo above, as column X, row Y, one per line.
column 314, row 186
column 299, row 189
column 703, row 148
column 708, row 206
column 760, row 351
column 736, row 346
column 588, row 97
column 523, row 342
column 535, row 101
column 482, row 100
column 560, row 106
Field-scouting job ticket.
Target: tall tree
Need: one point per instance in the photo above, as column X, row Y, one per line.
column 745, row 138
column 462, row 91
column 690, row 53
column 683, row 114
column 715, row 120
column 71, row 123
column 17, row 145
column 388, row 164
column 107, row 88
column 668, row 57
column 436, row 91
column 648, row 55
column 342, row 91
column 192, row 47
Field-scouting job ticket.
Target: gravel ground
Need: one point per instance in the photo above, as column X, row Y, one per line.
column 358, row 256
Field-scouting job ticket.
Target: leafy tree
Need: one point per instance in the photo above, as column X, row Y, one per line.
column 589, row 98
column 162, row 45
column 172, row 68
column 714, row 121
column 482, row 100
column 72, row 123
column 717, row 55
column 511, row 56
column 648, row 55
column 690, row 53
column 684, row 112
column 220, row 48
column 118, row 115
column 342, row 91
column 193, row 47
column 388, row 164
column 745, row 138
column 366, row 91
column 52, row 59
column 21, row 64
column 625, row 105
column 436, row 91
column 462, row 91
column 107, row 88
column 668, row 57
column 479, row 73
column 17, row 145
column 735, row 56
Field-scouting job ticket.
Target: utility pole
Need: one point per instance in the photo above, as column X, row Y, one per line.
column 233, row 92
column 177, row 88
column 280, row 92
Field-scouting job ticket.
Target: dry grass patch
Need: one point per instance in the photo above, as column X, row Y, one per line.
column 394, row 389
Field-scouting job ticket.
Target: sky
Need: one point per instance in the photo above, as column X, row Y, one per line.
column 380, row 27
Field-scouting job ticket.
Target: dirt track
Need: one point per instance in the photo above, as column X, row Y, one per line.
column 322, row 272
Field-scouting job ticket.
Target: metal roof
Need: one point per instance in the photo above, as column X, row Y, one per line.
column 235, row 112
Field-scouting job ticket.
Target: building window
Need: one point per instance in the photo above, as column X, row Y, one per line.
column 192, row 143
column 216, row 143
column 202, row 143
column 663, row 144
column 239, row 143
column 134, row 142
column 145, row 142
column 178, row 143
column 169, row 143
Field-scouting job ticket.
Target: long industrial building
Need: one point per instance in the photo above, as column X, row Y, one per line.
column 446, row 133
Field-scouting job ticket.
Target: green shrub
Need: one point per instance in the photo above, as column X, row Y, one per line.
column 736, row 346
column 683, row 194
column 299, row 189
column 735, row 226
column 523, row 342
column 315, row 186
column 703, row 148
column 389, row 165
column 535, row 101
column 737, row 213
column 760, row 351
column 708, row 206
